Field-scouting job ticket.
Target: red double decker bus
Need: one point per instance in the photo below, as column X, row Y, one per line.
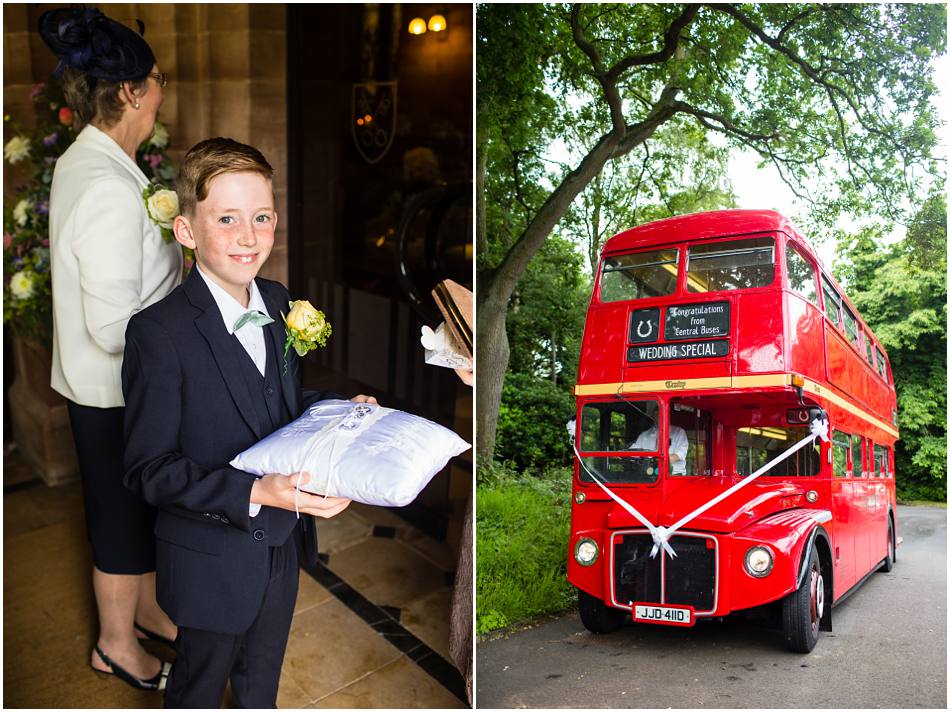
column 721, row 336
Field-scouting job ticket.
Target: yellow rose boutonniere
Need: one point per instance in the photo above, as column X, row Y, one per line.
column 307, row 328
column 161, row 204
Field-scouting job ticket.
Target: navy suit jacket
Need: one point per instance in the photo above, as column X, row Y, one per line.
column 189, row 411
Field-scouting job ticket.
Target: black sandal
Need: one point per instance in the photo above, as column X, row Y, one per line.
column 155, row 636
column 153, row 683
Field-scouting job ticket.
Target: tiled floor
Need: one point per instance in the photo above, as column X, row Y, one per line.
column 369, row 640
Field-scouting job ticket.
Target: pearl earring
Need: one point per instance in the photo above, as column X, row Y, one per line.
column 137, row 105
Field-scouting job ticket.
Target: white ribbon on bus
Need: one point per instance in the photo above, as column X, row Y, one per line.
column 661, row 535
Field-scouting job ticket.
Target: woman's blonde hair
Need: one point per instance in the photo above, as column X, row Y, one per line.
column 210, row 158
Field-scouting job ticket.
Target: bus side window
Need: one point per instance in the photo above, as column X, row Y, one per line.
column 881, row 461
column 857, row 461
column 801, row 275
column 851, row 327
column 841, row 444
column 832, row 302
column 698, row 427
column 867, row 348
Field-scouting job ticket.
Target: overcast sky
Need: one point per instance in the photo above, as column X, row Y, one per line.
column 762, row 187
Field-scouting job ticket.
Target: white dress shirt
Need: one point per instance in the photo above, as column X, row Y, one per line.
column 679, row 445
column 250, row 336
column 108, row 261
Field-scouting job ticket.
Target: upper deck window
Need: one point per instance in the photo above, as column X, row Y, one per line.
column 881, row 367
column 832, row 302
column 851, row 327
column 640, row 275
column 737, row 264
column 801, row 275
column 867, row 349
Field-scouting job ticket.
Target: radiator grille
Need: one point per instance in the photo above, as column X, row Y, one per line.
column 690, row 577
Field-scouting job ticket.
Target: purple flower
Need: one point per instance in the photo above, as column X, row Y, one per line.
column 43, row 208
column 17, row 263
column 51, row 139
column 45, row 242
column 153, row 159
column 36, row 90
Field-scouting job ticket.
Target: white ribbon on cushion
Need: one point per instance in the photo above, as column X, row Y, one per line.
column 661, row 535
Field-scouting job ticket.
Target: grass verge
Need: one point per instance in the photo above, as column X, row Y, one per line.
column 523, row 530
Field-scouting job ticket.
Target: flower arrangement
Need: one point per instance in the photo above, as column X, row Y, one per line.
column 306, row 327
column 27, row 301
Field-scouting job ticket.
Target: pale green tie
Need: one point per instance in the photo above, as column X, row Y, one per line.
column 252, row 317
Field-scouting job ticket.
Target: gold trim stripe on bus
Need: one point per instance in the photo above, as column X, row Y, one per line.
column 770, row 380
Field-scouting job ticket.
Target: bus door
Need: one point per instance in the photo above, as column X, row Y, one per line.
column 846, row 516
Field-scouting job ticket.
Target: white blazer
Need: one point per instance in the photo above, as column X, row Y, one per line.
column 108, row 261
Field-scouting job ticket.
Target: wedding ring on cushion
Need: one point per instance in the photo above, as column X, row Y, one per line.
column 355, row 419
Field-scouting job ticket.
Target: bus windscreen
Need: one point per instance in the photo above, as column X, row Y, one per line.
column 628, row 427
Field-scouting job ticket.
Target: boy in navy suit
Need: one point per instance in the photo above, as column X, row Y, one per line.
column 202, row 383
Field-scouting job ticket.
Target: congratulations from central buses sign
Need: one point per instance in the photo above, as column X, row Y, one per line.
column 689, row 321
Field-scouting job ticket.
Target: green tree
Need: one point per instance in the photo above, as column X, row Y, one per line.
column 901, row 291
column 547, row 314
column 807, row 87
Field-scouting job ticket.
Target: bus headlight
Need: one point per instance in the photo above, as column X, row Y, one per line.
column 758, row 561
column 586, row 552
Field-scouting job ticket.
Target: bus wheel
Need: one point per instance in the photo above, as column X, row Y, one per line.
column 889, row 561
column 597, row 616
column 802, row 609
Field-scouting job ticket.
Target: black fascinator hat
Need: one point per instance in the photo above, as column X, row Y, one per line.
column 87, row 40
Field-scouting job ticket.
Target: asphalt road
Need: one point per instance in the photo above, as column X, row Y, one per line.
column 888, row 650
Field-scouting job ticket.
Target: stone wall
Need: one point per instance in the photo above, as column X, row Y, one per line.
column 227, row 77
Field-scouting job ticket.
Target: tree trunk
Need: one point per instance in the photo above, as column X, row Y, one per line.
column 481, row 164
column 492, row 358
column 553, row 357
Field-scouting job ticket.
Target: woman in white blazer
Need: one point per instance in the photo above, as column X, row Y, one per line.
column 108, row 261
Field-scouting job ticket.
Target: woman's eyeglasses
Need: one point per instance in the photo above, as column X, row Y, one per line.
column 161, row 78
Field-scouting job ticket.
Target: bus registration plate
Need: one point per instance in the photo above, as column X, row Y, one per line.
column 664, row 615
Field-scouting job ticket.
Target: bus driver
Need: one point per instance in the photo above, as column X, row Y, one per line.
column 679, row 445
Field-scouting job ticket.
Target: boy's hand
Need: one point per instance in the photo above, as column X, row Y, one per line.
column 280, row 490
column 364, row 399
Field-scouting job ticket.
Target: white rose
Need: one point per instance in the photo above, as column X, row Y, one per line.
column 21, row 285
column 16, row 149
column 163, row 207
column 159, row 136
column 21, row 213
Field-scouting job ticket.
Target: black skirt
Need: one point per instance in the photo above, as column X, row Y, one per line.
column 119, row 523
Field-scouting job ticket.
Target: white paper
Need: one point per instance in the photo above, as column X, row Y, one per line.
column 440, row 351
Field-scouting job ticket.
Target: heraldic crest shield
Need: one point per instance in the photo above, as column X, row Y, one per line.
column 373, row 118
